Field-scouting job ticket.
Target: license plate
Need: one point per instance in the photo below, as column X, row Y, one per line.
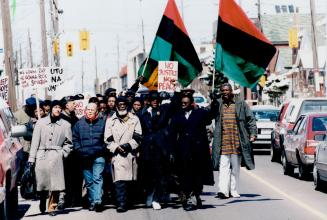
column 265, row 131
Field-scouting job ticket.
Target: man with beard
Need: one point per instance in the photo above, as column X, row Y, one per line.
column 192, row 153
column 51, row 142
column 123, row 136
column 235, row 129
column 89, row 145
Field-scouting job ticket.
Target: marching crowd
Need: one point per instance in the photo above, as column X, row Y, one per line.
column 133, row 149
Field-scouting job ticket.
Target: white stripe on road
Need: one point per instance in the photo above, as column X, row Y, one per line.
column 296, row 201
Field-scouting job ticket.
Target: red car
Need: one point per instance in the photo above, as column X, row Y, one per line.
column 11, row 155
column 300, row 143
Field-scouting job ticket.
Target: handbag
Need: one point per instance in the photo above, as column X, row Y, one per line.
column 28, row 183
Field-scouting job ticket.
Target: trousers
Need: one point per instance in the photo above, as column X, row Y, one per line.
column 229, row 173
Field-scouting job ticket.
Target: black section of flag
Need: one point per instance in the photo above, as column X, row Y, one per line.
column 244, row 45
column 181, row 42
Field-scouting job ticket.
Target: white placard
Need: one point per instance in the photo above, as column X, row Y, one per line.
column 33, row 77
column 4, row 83
column 55, row 78
column 167, row 74
column 80, row 106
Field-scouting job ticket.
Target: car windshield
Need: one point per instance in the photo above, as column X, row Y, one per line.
column 266, row 115
column 198, row 99
column 314, row 106
column 319, row 123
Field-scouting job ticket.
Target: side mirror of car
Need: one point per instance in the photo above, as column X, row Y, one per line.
column 18, row 131
column 290, row 132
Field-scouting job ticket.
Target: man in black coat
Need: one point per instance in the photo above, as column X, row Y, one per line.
column 192, row 153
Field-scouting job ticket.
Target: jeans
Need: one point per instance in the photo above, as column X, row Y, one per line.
column 229, row 172
column 94, row 180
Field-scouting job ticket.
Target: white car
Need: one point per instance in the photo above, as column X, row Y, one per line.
column 266, row 117
column 200, row 100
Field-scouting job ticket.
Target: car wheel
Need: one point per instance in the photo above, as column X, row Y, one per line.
column 287, row 168
column 275, row 155
column 304, row 172
column 316, row 178
column 9, row 206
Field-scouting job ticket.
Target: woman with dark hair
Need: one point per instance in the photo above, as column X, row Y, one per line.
column 51, row 142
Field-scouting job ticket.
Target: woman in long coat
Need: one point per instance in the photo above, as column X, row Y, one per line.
column 51, row 141
column 123, row 135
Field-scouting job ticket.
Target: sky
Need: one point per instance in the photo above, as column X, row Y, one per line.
column 116, row 26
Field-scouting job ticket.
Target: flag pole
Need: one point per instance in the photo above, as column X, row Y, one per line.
column 213, row 80
column 146, row 63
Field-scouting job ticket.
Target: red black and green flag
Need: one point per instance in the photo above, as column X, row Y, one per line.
column 171, row 43
column 242, row 51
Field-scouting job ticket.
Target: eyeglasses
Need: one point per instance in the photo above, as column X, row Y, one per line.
column 121, row 104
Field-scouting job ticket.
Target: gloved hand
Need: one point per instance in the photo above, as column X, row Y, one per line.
column 31, row 164
column 126, row 147
column 171, row 159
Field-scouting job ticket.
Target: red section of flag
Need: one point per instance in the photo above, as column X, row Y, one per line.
column 171, row 12
column 232, row 14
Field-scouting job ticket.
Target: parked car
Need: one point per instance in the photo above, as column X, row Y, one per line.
column 300, row 143
column 320, row 164
column 200, row 100
column 266, row 117
column 294, row 109
column 11, row 155
column 277, row 135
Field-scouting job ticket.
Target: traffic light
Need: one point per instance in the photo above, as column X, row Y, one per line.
column 84, row 40
column 293, row 40
column 56, row 47
column 69, row 48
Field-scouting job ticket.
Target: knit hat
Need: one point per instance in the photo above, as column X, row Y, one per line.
column 54, row 103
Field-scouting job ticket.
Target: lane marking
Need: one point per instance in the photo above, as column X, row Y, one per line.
column 296, row 201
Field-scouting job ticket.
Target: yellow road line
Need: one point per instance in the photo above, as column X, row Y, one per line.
column 296, row 201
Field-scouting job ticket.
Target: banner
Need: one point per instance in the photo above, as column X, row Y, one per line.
column 167, row 75
column 4, row 87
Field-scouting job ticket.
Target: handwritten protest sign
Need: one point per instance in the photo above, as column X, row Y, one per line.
column 4, row 86
column 55, row 78
column 167, row 73
column 33, row 77
column 80, row 106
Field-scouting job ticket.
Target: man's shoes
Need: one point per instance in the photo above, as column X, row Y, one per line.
column 221, row 195
column 198, row 202
column 189, row 207
column 156, row 205
column 92, row 207
column 121, row 209
column 98, row 207
column 53, row 213
column 235, row 195
column 42, row 206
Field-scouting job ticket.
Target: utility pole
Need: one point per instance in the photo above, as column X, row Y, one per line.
column 118, row 54
column 142, row 24
column 182, row 6
column 82, row 75
column 55, row 27
column 96, row 84
column 30, row 48
column 259, row 14
column 8, row 52
column 45, row 60
column 314, row 47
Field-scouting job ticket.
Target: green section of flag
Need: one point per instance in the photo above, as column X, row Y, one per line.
column 160, row 51
column 236, row 68
column 185, row 79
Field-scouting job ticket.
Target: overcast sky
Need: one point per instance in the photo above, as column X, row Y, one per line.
column 117, row 23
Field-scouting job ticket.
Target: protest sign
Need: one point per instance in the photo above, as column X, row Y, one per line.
column 33, row 77
column 4, row 86
column 80, row 106
column 55, row 78
column 167, row 75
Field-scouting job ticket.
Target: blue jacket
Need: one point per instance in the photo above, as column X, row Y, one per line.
column 88, row 138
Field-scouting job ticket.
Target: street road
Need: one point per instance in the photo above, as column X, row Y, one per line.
column 265, row 194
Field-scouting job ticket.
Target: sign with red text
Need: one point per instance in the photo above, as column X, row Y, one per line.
column 167, row 76
column 4, row 87
column 33, row 77
column 80, row 106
